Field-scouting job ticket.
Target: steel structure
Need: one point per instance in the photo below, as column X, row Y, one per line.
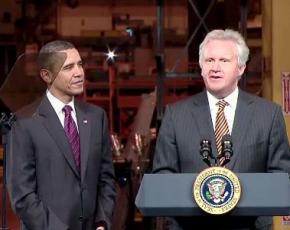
column 160, row 56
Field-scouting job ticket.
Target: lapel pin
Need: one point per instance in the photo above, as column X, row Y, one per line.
column 85, row 121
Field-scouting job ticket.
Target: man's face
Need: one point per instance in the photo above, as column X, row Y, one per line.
column 219, row 68
column 69, row 81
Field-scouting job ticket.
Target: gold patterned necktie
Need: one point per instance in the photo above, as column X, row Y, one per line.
column 221, row 125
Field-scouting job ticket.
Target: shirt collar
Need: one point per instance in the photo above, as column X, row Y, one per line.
column 58, row 104
column 231, row 99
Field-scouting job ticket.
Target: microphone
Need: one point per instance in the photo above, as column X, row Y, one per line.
column 227, row 150
column 205, row 151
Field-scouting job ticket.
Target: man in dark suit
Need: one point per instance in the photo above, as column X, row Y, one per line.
column 59, row 168
column 256, row 126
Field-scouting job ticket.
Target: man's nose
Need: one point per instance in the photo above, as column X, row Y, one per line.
column 216, row 66
column 78, row 70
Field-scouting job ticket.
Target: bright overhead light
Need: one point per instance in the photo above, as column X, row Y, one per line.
column 111, row 55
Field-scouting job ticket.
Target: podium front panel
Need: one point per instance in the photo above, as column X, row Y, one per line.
column 262, row 194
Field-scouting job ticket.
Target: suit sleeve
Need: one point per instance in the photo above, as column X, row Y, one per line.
column 279, row 154
column 22, row 184
column 166, row 158
column 106, row 182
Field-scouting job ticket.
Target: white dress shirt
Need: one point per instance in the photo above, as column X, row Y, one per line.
column 58, row 106
column 230, row 109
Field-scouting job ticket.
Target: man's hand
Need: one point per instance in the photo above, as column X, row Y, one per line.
column 100, row 228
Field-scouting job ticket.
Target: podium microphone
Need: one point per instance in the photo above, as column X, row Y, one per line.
column 205, row 151
column 227, row 150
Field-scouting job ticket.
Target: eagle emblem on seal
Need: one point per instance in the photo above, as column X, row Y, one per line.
column 216, row 190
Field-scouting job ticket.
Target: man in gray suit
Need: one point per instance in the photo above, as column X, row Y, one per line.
column 256, row 126
column 59, row 169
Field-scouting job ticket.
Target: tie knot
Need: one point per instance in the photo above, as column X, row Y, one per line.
column 222, row 104
column 67, row 109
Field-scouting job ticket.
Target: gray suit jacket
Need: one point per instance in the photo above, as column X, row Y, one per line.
column 46, row 190
column 259, row 137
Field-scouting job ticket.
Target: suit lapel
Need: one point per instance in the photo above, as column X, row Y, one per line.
column 201, row 114
column 84, row 124
column 241, row 124
column 53, row 126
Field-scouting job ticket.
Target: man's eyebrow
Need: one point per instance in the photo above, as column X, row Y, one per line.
column 68, row 65
column 72, row 63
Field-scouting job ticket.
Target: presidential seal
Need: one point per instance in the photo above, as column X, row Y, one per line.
column 217, row 190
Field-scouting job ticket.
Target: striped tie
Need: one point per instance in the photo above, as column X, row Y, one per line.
column 72, row 134
column 221, row 125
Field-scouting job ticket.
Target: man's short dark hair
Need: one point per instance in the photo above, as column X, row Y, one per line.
column 50, row 53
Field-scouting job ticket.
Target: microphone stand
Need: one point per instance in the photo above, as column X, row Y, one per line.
column 206, row 152
column 227, row 151
column 6, row 123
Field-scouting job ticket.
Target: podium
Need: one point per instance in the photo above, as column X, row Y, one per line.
column 262, row 194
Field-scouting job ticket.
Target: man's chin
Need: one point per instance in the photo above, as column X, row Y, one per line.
column 77, row 92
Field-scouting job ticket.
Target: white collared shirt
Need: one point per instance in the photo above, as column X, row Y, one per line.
column 58, row 106
column 230, row 110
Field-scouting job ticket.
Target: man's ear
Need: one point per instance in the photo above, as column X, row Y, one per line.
column 46, row 75
column 241, row 70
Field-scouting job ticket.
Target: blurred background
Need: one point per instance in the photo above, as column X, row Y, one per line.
column 156, row 45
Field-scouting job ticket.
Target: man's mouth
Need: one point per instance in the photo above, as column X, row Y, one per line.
column 78, row 83
column 215, row 77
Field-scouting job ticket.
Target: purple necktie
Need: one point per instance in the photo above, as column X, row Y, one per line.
column 72, row 134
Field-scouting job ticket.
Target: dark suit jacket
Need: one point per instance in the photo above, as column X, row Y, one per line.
column 259, row 138
column 45, row 188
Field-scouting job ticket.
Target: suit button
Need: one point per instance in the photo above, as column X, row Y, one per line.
column 83, row 188
column 81, row 218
